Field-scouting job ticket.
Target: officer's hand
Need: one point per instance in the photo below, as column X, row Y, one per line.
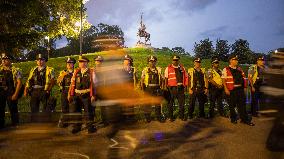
column 252, row 89
column 93, row 99
column 47, row 94
column 70, row 98
column 227, row 92
column 14, row 97
column 190, row 91
column 206, row 91
column 26, row 92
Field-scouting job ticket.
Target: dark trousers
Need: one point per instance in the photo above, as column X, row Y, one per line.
column 64, row 106
column 153, row 91
column 215, row 95
column 202, row 98
column 13, row 108
column 75, row 108
column 255, row 101
column 38, row 96
column 237, row 99
column 176, row 93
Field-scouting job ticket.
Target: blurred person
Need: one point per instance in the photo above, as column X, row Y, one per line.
column 176, row 80
column 64, row 81
column 82, row 93
column 198, row 88
column 215, row 88
column 10, row 84
column 235, row 84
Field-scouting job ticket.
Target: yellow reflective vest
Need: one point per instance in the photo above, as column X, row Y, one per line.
column 190, row 73
column 216, row 76
column 255, row 74
column 48, row 74
column 146, row 79
column 15, row 71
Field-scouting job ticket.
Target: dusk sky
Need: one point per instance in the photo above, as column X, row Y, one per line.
column 182, row 22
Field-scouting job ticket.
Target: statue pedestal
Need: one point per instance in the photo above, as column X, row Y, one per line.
column 141, row 45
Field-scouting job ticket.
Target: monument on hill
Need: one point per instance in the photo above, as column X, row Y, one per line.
column 144, row 36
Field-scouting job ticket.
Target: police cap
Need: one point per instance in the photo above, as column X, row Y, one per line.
column 175, row 57
column 152, row 58
column 83, row 59
column 99, row 58
column 70, row 60
column 197, row 59
column 215, row 60
column 127, row 57
column 233, row 57
column 41, row 57
column 5, row 56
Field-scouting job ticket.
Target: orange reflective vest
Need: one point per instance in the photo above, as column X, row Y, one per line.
column 230, row 79
column 73, row 83
column 172, row 81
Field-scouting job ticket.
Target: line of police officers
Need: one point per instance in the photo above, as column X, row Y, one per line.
column 78, row 89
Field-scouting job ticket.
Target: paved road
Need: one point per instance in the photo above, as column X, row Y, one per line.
column 198, row 138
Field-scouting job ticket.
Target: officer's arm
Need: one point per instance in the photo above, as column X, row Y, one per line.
column 26, row 91
column 52, row 81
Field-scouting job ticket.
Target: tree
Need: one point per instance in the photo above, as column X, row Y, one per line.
column 204, row 49
column 178, row 50
column 222, row 49
column 24, row 24
column 241, row 48
column 101, row 31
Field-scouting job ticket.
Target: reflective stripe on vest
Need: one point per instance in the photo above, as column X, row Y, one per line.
column 216, row 76
column 73, row 83
column 172, row 81
column 146, row 80
column 230, row 79
column 48, row 72
column 191, row 71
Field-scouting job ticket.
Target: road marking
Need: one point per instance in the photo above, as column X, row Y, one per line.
column 114, row 146
column 76, row 154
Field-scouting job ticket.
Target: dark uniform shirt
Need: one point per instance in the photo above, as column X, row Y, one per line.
column 67, row 80
column 198, row 80
column 129, row 75
column 6, row 82
column 179, row 75
column 153, row 76
column 237, row 76
column 38, row 77
column 259, row 79
column 83, row 80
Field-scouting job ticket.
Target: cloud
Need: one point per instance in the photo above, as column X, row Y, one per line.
column 216, row 32
column 190, row 6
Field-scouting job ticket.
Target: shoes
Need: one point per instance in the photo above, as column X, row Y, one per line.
column 62, row 125
column 234, row 121
column 75, row 130
column 249, row 123
column 92, row 129
column 172, row 119
column 190, row 117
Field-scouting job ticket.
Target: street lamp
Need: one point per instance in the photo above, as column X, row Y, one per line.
column 81, row 23
column 48, row 48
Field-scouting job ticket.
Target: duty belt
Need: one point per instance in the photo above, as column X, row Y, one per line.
column 153, row 85
column 237, row 85
column 37, row 86
column 83, row 91
column 179, row 84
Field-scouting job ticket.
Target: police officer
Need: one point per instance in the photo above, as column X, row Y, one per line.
column 256, row 80
column 235, row 85
column 10, row 84
column 151, row 83
column 82, row 92
column 215, row 87
column 39, row 85
column 198, row 87
column 64, row 81
column 176, row 80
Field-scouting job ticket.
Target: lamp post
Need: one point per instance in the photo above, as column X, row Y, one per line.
column 48, row 48
column 81, row 24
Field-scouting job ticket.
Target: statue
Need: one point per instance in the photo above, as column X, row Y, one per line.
column 143, row 33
